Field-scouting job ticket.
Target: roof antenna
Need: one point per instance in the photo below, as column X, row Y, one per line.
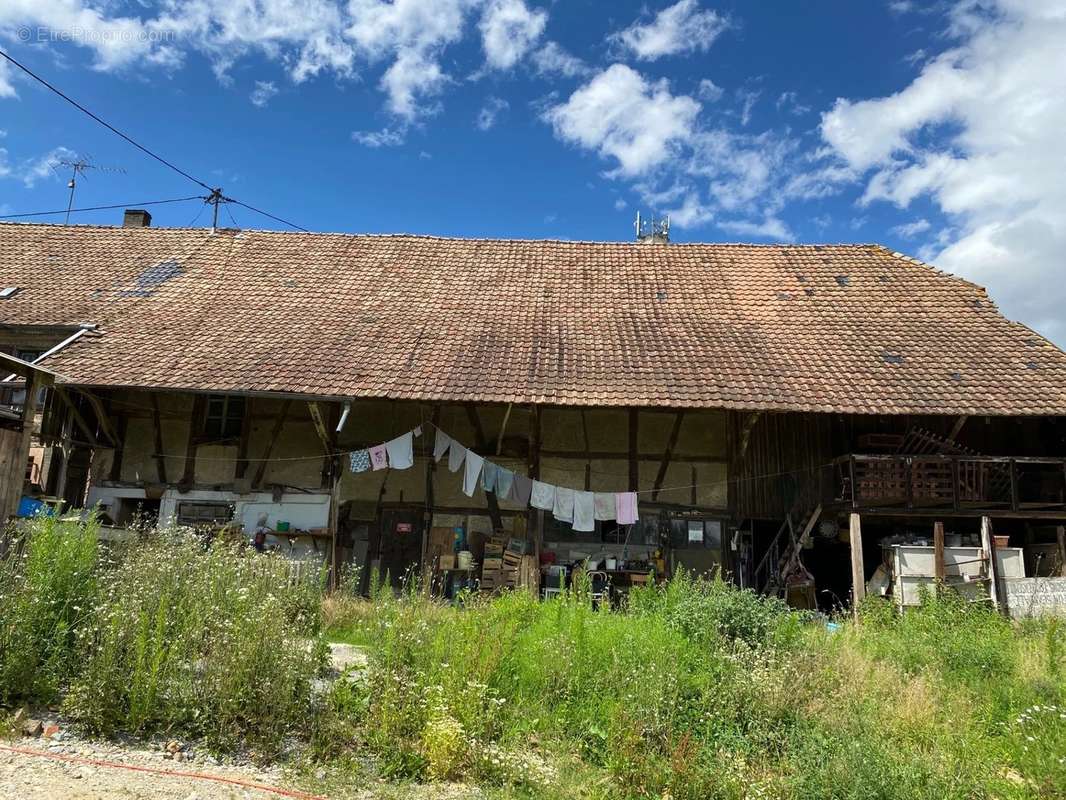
column 215, row 199
column 78, row 166
column 655, row 232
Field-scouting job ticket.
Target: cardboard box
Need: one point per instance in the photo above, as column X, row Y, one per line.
column 446, row 562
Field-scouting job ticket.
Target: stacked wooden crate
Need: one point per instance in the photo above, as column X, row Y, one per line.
column 492, row 565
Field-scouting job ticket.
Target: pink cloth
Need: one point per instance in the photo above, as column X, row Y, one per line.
column 625, row 507
column 379, row 458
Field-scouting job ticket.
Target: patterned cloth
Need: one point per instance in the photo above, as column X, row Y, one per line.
column 360, row 460
column 379, row 458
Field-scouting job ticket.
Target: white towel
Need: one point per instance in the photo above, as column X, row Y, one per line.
column 440, row 446
column 543, row 496
column 563, row 510
column 401, row 451
column 604, row 506
column 584, row 516
column 474, row 463
column 456, row 456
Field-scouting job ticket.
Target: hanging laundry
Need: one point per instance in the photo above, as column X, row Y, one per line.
column 604, row 506
column 522, row 489
column 504, row 483
column 360, row 460
column 542, row 496
column 401, row 451
column 474, row 463
column 625, row 507
column 379, row 457
column 490, row 474
column 564, row 504
column 440, row 446
column 456, row 454
column 584, row 516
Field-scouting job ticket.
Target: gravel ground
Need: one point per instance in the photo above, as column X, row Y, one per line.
column 29, row 777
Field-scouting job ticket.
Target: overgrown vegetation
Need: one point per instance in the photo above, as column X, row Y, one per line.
column 169, row 633
column 694, row 690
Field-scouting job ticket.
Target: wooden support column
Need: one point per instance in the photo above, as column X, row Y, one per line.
column 278, row 423
column 157, row 426
column 103, row 418
column 120, row 431
column 192, row 442
column 938, row 553
column 481, row 445
column 79, row 418
column 241, row 466
column 1060, row 535
column 537, row 517
column 858, row 572
column 634, row 464
column 988, row 546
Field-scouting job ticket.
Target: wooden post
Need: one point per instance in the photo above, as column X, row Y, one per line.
column 858, row 572
column 634, row 466
column 938, row 553
column 988, row 546
column 160, row 456
column 1060, row 534
column 257, row 480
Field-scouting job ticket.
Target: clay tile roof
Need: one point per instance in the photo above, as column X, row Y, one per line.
column 840, row 328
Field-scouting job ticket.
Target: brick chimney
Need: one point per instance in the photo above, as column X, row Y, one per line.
column 136, row 218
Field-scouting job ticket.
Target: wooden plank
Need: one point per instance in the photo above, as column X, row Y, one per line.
column 318, row 418
column 480, row 445
column 988, row 546
column 745, row 433
column 116, row 462
column 956, row 429
column 160, row 456
column 858, row 573
column 1060, row 535
column 938, row 551
column 278, row 423
column 668, row 454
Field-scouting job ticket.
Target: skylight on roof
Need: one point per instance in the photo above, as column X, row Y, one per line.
column 8, row 291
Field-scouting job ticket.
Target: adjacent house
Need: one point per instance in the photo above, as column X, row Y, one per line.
column 787, row 413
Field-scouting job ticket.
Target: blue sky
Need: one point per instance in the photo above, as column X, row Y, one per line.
column 932, row 128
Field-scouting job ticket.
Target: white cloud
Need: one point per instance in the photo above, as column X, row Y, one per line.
column 909, row 230
column 748, row 98
column 33, row 170
column 691, row 213
column 622, row 116
column 789, row 101
column 490, row 112
column 710, row 91
column 386, row 137
column 680, row 28
column 263, row 92
column 552, row 59
column 769, row 228
column 508, row 30
column 979, row 132
column 7, row 89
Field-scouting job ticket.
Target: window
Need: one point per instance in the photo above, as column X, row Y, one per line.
column 225, row 417
column 196, row 514
column 695, row 534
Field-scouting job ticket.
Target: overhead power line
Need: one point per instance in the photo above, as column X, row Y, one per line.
column 215, row 197
column 102, row 208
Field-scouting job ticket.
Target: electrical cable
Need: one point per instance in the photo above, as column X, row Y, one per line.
column 107, row 125
column 265, row 214
column 215, row 192
column 102, row 208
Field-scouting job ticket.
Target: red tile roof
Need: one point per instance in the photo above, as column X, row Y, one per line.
column 844, row 328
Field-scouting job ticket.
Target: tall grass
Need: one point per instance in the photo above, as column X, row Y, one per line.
column 702, row 690
column 168, row 633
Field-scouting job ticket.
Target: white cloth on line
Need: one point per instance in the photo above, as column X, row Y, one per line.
column 543, row 496
column 584, row 516
column 401, row 451
column 604, row 502
column 474, row 463
column 440, row 445
column 456, row 456
column 625, row 507
column 504, row 483
column 563, row 509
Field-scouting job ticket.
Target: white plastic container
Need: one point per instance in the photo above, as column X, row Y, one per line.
column 466, row 559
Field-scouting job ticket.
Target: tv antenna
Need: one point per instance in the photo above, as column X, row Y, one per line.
column 78, row 167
